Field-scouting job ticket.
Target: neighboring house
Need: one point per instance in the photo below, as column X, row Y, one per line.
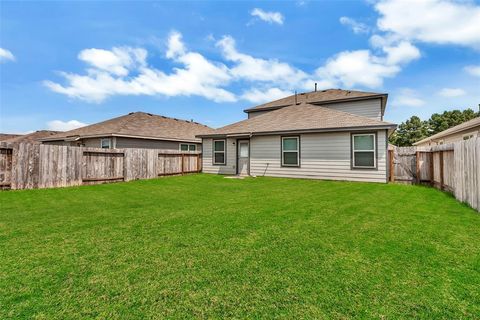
column 136, row 130
column 33, row 137
column 463, row 131
column 329, row 134
column 6, row 136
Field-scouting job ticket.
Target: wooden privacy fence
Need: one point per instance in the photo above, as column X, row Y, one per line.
column 30, row 166
column 451, row 167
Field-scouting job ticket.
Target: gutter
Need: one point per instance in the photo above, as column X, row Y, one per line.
column 76, row 138
column 382, row 96
column 264, row 133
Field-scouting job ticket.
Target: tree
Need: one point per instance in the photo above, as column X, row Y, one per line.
column 409, row 132
column 448, row 119
column 414, row 129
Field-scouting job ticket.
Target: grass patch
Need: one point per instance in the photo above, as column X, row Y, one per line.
column 207, row 247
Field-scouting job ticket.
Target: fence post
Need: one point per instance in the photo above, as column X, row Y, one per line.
column 441, row 170
column 417, row 163
column 432, row 180
column 183, row 157
column 392, row 173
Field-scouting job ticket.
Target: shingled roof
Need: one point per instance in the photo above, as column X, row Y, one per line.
column 139, row 125
column 302, row 117
column 459, row 128
column 320, row 97
column 34, row 137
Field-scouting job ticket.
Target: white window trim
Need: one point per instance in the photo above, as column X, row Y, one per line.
column 297, row 151
column 109, row 143
column 470, row 135
column 224, row 151
column 189, row 145
column 362, row 150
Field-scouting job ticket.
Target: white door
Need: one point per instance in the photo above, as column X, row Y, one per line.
column 243, row 157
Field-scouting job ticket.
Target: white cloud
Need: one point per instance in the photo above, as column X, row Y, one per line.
column 256, row 69
column 401, row 53
column 6, row 55
column 433, row 21
column 175, row 45
column 268, row 16
column 59, row 125
column 260, row 96
column 407, row 98
column 357, row 27
column 110, row 71
column 473, row 70
column 451, row 92
column 117, row 61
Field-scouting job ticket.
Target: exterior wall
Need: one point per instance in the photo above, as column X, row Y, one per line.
column 371, row 108
column 230, row 166
column 322, row 156
column 257, row 113
column 122, row 142
column 454, row 137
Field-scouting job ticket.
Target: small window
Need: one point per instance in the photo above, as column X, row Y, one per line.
column 364, row 154
column 468, row 136
column 290, row 151
column 106, row 143
column 188, row 147
column 218, row 151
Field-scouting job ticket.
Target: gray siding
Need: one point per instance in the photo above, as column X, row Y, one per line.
column 122, row 142
column 371, row 108
column 231, row 163
column 322, row 156
column 257, row 113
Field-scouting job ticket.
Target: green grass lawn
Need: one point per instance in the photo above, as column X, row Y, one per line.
column 202, row 246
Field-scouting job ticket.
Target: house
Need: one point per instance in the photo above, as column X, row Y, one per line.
column 33, row 137
column 135, row 130
column 7, row 136
column 331, row 134
column 463, row 131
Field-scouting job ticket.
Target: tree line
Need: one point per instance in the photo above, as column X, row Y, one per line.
column 414, row 129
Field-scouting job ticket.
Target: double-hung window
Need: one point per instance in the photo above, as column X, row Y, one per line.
column 290, row 151
column 106, row 143
column 364, row 151
column 218, row 151
column 188, row 147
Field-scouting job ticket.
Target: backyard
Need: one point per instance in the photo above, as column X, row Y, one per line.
column 202, row 246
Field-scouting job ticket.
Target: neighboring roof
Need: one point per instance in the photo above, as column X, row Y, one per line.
column 459, row 128
column 33, row 137
column 6, row 136
column 321, row 97
column 303, row 117
column 138, row 125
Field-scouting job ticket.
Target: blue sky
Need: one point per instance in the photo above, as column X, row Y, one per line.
column 67, row 64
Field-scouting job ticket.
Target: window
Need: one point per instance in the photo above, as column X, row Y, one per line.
column 468, row 136
column 218, row 151
column 290, row 151
column 188, row 147
column 106, row 143
column 364, row 154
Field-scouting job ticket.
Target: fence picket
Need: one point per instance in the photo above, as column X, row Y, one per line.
column 29, row 166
